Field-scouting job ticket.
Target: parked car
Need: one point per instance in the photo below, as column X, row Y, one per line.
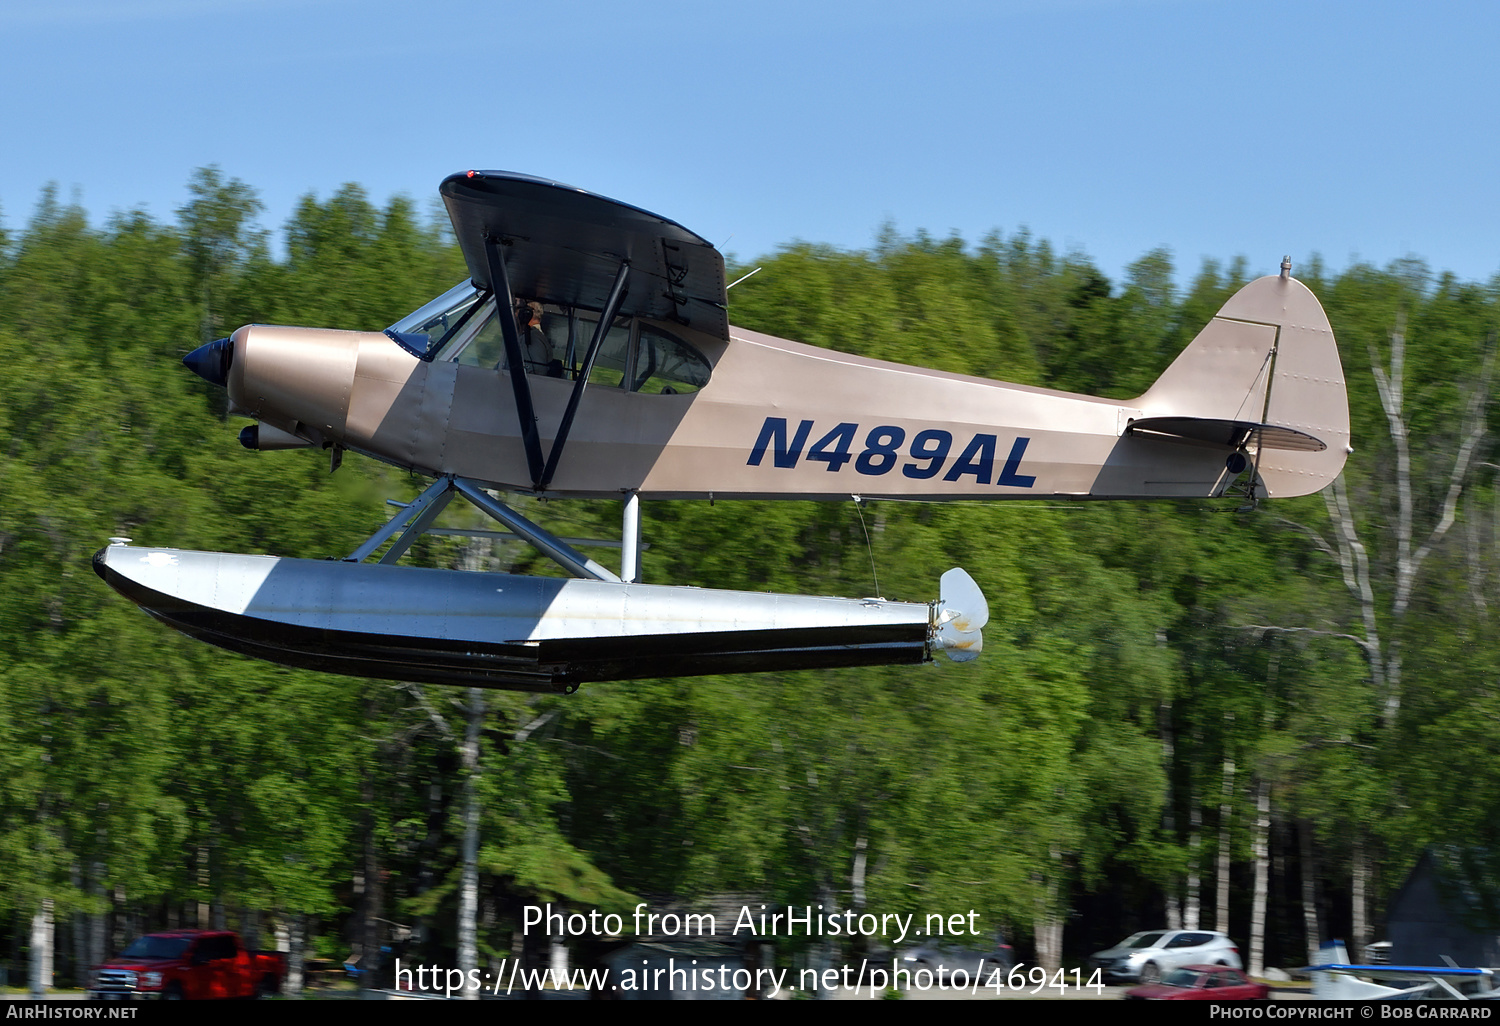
column 1145, row 957
column 1202, row 983
column 943, row 960
column 187, row 964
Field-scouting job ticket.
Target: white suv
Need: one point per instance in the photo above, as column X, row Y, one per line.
column 1145, row 956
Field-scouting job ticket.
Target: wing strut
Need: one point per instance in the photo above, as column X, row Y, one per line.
column 424, row 509
column 630, row 539
column 439, row 489
column 611, row 307
column 569, row 558
column 520, row 386
column 541, row 474
column 419, row 524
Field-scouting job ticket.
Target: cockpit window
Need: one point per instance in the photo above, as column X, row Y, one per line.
column 421, row 333
column 461, row 326
column 572, row 331
column 665, row 366
column 484, row 347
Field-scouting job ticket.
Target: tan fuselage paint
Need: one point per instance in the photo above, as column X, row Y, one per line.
column 783, row 419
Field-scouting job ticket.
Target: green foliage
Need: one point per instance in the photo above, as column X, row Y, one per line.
column 139, row 770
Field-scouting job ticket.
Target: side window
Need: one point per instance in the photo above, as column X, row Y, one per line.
column 554, row 348
column 614, row 352
column 487, row 347
column 557, row 344
column 665, row 366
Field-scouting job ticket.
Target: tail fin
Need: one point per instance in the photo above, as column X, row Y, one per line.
column 1263, row 377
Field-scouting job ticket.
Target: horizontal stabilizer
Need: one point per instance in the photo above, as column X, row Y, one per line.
column 1232, row 434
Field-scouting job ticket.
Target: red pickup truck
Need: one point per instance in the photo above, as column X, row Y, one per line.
column 187, row 964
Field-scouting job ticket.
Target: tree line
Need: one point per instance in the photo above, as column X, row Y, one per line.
column 1186, row 713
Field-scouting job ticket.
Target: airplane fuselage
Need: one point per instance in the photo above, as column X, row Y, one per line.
column 778, row 418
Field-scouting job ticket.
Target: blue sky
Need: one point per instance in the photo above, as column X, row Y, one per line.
column 1214, row 128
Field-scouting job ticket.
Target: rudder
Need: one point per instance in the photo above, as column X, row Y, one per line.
column 1266, row 365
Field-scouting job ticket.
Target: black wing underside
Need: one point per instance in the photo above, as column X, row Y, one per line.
column 565, row 246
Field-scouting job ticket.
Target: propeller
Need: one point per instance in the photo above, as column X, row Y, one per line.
column 961, row 615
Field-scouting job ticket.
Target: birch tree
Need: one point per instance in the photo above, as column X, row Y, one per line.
column 1381, row 583
column 1411, row 549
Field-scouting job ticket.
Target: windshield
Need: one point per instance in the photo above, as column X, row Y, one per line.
column 1141, row 940
column 157, row 947
column 423, row 331
column 1180, row 978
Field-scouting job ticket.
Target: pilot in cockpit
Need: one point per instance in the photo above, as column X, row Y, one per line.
column 536, row 347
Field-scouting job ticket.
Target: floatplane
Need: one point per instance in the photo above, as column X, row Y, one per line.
column 589, row 354
column 1335, row 978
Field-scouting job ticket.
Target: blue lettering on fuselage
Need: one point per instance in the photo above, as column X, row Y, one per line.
column 773, row 432
column 926, row 456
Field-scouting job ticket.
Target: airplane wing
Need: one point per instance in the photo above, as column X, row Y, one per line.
column 564, row 245
column 1403, row 972
column 1341, row 981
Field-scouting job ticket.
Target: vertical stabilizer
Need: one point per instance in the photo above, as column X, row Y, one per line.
column 1267, row 358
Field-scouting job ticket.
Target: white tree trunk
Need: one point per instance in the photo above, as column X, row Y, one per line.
column 1309, row 873
column 1049, row 932
column 41, row 949
column 202, row 922
column 857, row 873
column 1360, row 938
column 468, row 896
column 1049, row 921
column 1168, row 817
column 98, row 922
column 1226, row 813
column 1190, row 914
column 296, row 936
column 1259, row 850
